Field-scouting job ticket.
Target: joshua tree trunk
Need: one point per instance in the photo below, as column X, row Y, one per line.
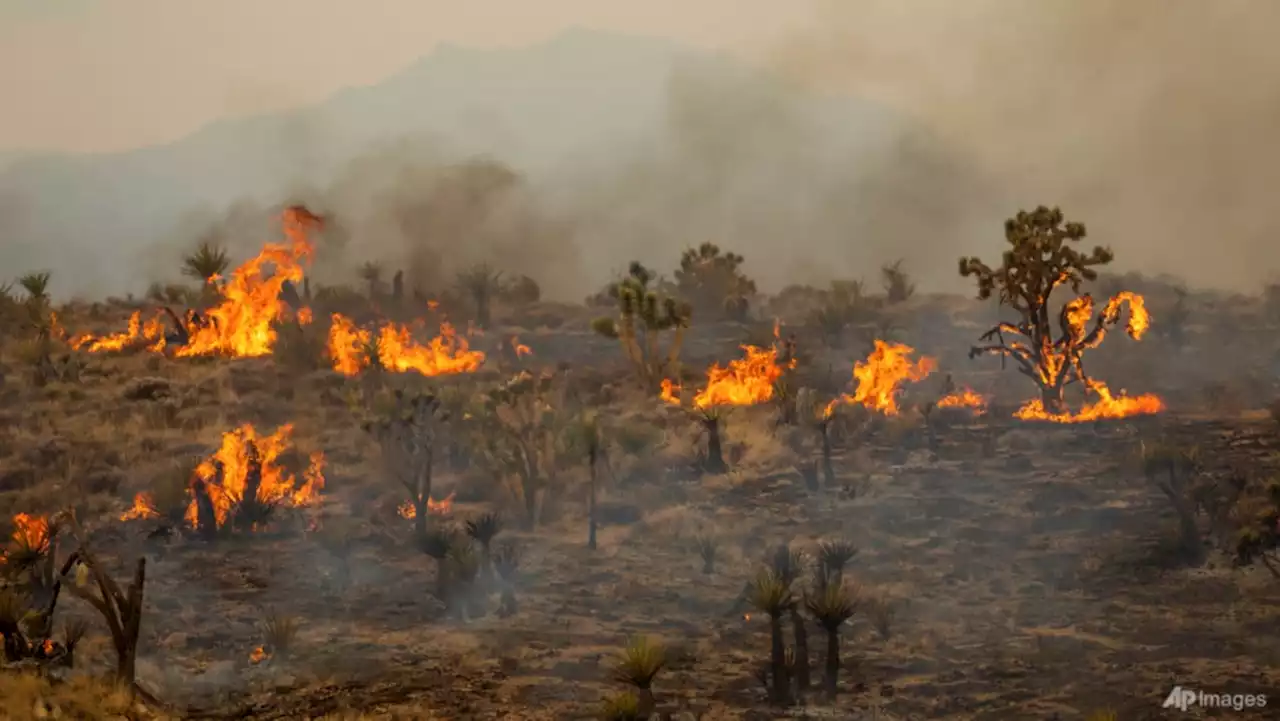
column 419, row 517
column 781, row 691
column 646, row 702
column 483, row 316
column 828, row 471
column 397, row 288
column 833, row 662
column 715, row 453
column 591, row 504
column 802, row 651
column 1053, row 398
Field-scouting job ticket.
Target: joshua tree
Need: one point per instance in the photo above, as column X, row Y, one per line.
column 524, row 436
column 371, row 273
column 482, row 283
column 897, row 284
column 833, row 556
column 506, row 561
column 643, row 315
column 831, row 607
column 1041, row 259
column 711, row 281
column 207, row 262
column 713, row 463
column 483, row 529
column 438, row 543
column 407, row 432
column 707, row 547
column 818, row 416
column 588, row 428
column 771, row 594
column 640, row 662
column 37, row 287
column 1173, row 469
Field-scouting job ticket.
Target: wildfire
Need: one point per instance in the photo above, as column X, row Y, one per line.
column 1107, row 406
column 520, row 349
column 144, row 506
column 246, row 460
column 242, row 323
column 744, row 382
column 150, row 334
column 879, row 377
column 258, row 655
column 964, row 398
column 447, row 353
column 442, row 507
column 31, row 532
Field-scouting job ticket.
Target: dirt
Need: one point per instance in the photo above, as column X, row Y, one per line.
column 1029, row 580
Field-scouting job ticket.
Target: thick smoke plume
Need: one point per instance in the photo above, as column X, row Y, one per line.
column 1154, row 121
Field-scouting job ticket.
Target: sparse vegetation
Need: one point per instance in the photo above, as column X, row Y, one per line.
column 642, row 316
column 712, row 281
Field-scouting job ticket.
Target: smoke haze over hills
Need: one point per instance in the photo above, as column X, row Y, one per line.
column 887, row 129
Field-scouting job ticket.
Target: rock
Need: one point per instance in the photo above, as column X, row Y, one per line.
column 147, row 389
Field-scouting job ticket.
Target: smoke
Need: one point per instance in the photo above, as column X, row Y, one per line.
column 1152, row 121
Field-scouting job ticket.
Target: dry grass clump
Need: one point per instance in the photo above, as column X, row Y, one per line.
column 27, row 697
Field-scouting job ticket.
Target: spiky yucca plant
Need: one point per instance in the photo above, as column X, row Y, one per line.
column 639, row 663
column 771, row 594
column 831, row 607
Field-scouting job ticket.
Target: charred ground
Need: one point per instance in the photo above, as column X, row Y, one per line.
column 1004, row 568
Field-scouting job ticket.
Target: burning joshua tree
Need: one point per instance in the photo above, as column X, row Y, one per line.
column 1039, row 261
column 748, row 381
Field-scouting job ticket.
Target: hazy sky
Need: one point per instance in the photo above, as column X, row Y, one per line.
column 94, row 75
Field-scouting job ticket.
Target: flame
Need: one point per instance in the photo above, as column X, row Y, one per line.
column 521, row 349
column 304, row 316
column 56, row 331
column 47, row 648
column 242, row 323
column 433, row 304
column 746, row 617
column 442, row 507
column 1108, row 405
column 879, row 377
column 397, row 351
column 1077, row 313
column 224, row 476
column 965, row 398
column 258, row 655
column 150, row 334
column 744, row 382
column 144, row 506
column 31, row 532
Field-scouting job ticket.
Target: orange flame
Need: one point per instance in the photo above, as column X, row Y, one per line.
column 965, row 398
column 879, row 377
column 747, row 381
column 150, row 334
column 521, row 349
column 31, row 532
column 445, row 354
column 234, row 459
column 144, row 506
column 258, row 655
column 442, row 507
column 1107, row 406
column 242, row 324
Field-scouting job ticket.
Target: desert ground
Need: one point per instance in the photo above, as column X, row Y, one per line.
column 1001, row 567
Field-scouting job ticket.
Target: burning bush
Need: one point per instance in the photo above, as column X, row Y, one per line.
column 1039, row 261
column 353, row 350
column 241, row 485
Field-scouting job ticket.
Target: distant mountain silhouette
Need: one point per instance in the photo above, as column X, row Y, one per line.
column 535, row 108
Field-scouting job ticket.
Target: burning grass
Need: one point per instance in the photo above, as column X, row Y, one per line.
column 392, row 347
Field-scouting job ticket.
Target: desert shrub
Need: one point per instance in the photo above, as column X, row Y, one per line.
column 713, row 283
column 408, row 427
column 1245, row 510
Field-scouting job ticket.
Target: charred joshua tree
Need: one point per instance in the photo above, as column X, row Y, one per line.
column 833, row 557
column 1173, row 469
column 1039, row 261
column 639, row 664
column 464, row 567
column 713, row 462
column 831, row 607
column 771, row 594
column 506, row 561
column 482, row 530
column 407, row 435
column 482, row 284
column 438, row 543
column 898, row 287
column 818, row 416
column 643, row 315
column 371, row 274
